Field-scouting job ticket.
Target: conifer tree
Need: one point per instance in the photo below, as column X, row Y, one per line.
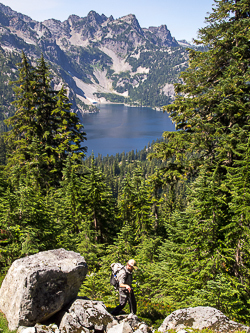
column 135, row 206
column 100, row 209
column 26, row 219
column 69, row 210
column 2, row 150
column 205, row 248
column 214, row 98
column 43, row 130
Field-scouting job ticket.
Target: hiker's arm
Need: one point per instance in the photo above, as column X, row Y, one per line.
column 122, row 285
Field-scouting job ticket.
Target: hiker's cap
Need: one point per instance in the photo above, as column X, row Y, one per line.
column 132, row 263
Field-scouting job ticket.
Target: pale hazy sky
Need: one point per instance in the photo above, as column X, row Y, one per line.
column 182, row 17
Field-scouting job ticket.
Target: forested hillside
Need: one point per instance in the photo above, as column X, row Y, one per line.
column 8, row 73
column 179, row 207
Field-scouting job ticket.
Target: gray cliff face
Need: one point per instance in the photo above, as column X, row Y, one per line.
column 87, row 53
column 104, row 31
column 163, row 36
column 94, row 26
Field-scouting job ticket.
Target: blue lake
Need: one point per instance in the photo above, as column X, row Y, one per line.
column 118, row 128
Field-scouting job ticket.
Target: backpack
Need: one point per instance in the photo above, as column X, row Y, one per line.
column 115, row 269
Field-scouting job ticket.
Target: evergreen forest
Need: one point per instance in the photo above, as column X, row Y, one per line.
column 180, row 207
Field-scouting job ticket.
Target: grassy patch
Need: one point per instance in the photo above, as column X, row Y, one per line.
column 4, row 324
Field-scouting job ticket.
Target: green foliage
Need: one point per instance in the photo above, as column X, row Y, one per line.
column 153, row 313
column 182, row 211
column 85, row 107
column 7, row 73
column 26, row 222
column 112, row 97
column 43, row 130
column 164, row 67
column 2, row 151
column 86, row 60
column 4, row 324
column 205, row 254
column 146, row 89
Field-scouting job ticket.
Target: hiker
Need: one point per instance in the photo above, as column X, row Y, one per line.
column 126, row 293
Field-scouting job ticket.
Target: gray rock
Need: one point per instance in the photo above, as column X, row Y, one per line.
column 84, row 315
column 129, row 323
column 39, row 329
column 113, row 323
column 201, row 317
column 38, row 286
column 133, row 320
column 144, row 328
column 124, row 327
column 136, row 324
column 23, row 329
column 52, row 328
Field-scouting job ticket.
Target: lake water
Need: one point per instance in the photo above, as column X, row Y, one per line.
column 117, row 128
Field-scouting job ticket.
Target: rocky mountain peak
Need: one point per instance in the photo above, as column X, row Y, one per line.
column 82, row 24
column 132, row 20
column 90, row 53
column 95, row 18
column 57, row 28
column 73, row 19
column 111, row 18
column 8, row 12
column 162, row 36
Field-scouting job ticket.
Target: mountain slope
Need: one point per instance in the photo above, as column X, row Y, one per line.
column 99, row 58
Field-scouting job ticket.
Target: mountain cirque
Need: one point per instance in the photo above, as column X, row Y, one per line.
column 99, row 58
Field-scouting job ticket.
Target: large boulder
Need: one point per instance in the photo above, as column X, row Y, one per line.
column 82, row 316
column 201, row 317
column 38, row 286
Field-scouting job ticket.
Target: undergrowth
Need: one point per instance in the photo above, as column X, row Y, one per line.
column 4, row 324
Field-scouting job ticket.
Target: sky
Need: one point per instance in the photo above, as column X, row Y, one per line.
column 182, row 17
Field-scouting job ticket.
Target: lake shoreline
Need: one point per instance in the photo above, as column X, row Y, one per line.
column 121, row 128
column 156, row 108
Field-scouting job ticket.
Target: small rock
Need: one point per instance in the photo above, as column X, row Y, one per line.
column 23, row 329
column 124, row 327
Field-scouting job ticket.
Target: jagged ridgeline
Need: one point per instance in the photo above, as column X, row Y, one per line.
column 96, row 57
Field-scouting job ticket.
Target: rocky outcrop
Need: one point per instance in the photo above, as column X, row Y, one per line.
column 162, row 36
column 83, row 315
column 80, row 45
column 39, row 295
column 201, row 317
column 129, row 324
column 82, row 321
column 38, row 286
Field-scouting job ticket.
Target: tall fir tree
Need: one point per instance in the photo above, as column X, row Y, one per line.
column 43, row 131
column 100, row 208
column 205, row 254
